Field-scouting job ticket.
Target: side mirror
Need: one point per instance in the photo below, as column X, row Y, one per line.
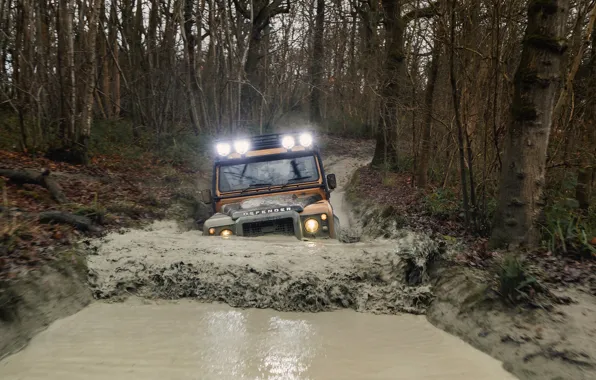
column 331, row 181
column 206, row 196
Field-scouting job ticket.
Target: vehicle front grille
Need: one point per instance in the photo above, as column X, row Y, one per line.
column 269, row 227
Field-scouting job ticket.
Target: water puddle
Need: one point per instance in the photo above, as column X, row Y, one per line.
column 190, row 340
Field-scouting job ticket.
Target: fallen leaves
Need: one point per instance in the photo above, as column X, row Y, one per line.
column 107, row 181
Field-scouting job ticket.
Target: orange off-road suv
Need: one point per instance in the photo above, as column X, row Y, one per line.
column 271, row 184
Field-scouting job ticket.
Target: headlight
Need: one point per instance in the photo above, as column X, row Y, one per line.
column 225, row 233
column 306, row 140
column 212, row 231
column 223, row 149
column 323, row 216
column 288, row 142
column 241, row 146
column 311, row 226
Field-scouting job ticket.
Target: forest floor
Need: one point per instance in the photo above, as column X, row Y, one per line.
column 112, row 193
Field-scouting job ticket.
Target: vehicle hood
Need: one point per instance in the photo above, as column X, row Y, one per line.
column 269, row 205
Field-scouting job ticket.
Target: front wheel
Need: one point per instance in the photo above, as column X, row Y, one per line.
column 336, row 228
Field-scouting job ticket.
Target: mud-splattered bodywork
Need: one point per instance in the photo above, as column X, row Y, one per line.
column 266, row 205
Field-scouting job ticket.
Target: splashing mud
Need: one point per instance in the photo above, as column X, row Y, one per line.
column 279, row 273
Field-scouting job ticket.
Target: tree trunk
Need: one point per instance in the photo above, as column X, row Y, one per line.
column 423, row 162
column 105, row 97
column 189, row 53
column 537, row 80
column 88, row 77
column 318, row 57
column 113, row 42
column 583, row 190
column 460, row 133
column 67, row 68
column 394, row 73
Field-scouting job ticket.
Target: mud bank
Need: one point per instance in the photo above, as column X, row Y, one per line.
column 283, row 274
column 559, row 344
column 33, row 301
column 532, row 344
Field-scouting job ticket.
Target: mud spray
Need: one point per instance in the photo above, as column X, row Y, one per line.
column 378, row 276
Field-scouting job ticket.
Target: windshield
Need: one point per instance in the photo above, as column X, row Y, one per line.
column 268, row 173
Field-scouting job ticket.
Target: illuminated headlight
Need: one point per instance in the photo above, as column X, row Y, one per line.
column 223, row 149
column 311, row 226
column 241, row 146
column 225, row 233
column 306, row 140
column 288, row 142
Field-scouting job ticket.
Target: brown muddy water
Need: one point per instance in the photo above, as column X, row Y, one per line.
column 189, row 340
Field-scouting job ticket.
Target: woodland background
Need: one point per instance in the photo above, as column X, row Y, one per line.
column 488, row 105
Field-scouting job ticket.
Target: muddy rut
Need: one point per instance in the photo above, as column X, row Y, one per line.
column 381, row 276
column 264, row 273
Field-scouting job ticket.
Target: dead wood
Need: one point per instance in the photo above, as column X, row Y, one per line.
column 81, row 223
column 42, row 179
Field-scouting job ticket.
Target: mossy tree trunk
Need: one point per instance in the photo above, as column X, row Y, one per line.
column 521, row 192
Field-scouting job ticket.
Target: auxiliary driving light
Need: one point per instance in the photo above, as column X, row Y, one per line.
column 212, row 231
column 241, row 146
column 323, row 216
column 306, row 140
column 225, row 233
column 288, row 142
column 311, row 226
column 223, row 149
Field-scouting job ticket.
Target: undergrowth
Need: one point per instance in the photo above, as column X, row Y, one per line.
column 568, row 231
column 515, row 283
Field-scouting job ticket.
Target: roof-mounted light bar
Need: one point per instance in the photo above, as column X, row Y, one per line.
column 242, row 146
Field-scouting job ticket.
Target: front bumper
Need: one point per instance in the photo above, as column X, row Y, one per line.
column 285, row 223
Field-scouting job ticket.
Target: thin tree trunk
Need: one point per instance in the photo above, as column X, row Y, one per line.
column 521, row 191
column 89, row 78
column 318, row 57
column 583, row 189
column 568, row 88
column 113, row 39
column 424, row 157
column 458, row 122
column 105, row 99
column 189, row 52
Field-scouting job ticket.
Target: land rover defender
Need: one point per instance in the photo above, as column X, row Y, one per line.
column 271, row 184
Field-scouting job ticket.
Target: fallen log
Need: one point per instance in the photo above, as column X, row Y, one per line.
column 81, row 223
column 41, row 179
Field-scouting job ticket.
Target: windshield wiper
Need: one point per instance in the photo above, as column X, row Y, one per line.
column 253, row 185
column 290, row 181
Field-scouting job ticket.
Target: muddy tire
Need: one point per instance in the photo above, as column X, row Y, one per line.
column 346, row 235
